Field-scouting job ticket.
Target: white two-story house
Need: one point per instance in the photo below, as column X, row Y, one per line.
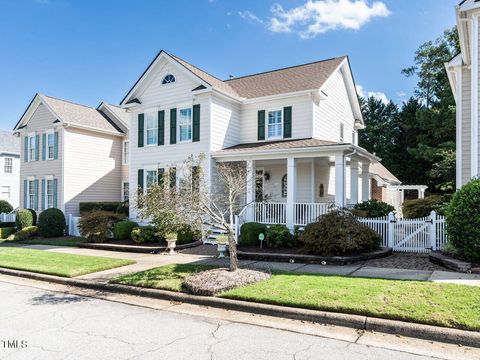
column 464, row 75
column 72, row 153
column 296, row 127
column 9, row 168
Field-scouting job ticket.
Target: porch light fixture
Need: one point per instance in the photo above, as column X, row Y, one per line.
column 266, row 176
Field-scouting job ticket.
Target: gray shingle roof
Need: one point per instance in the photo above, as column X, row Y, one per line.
column 81, row 115
column 9, row 143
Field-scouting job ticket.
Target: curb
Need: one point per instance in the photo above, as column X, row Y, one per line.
column 426, row 332
column 136, row 249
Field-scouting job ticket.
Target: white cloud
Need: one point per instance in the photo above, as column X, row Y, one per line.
column 248, row 15
column 376, row 94
column 319, row 16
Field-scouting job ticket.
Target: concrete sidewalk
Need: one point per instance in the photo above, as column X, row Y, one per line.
column 148, row 261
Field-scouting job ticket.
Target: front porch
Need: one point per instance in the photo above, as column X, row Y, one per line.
column 294, row 187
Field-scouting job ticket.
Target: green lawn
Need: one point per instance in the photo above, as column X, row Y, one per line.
column 52, row 263
column 62, row 241
column 422, row 302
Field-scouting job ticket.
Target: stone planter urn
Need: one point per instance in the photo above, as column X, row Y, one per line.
column 171, row 243
column 222, row 242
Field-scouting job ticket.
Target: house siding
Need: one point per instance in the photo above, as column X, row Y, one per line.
column 41, row 121
column 226, row 123
column 333, row 111
column 10, row 183
column 466, row 125
column 93, row 168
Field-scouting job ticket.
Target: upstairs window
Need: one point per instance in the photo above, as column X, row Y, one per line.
column 32, row 146
column 8, row 165
column 185, row 124
column 151, row 128
column 168, row 79
column 275, row 124
column 50, row 146
column 126, row 147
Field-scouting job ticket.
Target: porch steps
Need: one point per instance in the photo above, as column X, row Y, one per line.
column 212, row 237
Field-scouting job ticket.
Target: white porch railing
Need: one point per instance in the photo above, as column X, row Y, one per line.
column 7, row 217
column 305, row 213
column 269, row 213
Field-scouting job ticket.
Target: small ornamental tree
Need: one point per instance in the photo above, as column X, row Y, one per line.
column 195, row 203
column 5, row 207
column 372, row 208
column 463, row 221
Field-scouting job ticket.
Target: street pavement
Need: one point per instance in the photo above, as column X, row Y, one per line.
column 57, row 322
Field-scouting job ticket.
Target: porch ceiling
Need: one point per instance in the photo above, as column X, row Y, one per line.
column 283, row 149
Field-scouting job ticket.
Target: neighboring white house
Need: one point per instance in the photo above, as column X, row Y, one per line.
column 71, row 153
column 463, row 72
column 296, row 126
column 9, row 168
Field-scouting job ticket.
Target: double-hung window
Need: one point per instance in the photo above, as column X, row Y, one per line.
column 151, row 178
column 151, row 128
column 275, row 128
column 185, row 124
column 49, row 193
column 126, row 191
column 50, row 146
column 31, row 193
column 8, row 168
column 32, row 146
column 126, row 146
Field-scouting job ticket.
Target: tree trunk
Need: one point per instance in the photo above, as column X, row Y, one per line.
column 232, row 245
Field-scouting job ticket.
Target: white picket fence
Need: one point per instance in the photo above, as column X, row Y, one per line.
column 73, row 225
column 7, row 217
column 420, row 235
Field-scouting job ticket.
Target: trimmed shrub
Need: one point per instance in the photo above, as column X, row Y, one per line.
column 51, row 223
column 5, row 207
column 8, row 224
column 418, row 208
column 97, row 226
column 31, row 230
column 144, row 234
column 5, row 232
column 123, row 229
column 372, row 209
column 110, row 206
column 34, row 216
column 23, row 219
column 19, row 236
column 463, row 221
column 187, row 235
column 279, row 236
column 249, row 233
column 338, row 233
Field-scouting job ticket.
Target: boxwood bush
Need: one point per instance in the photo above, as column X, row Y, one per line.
column 111, row 206
column 5, row 232
column 97, row 226
column 51, row 223
column 144, row 234
column 463, row 221
column 122, row 230
column 31, row 230
column 19, row 236
column 23, row 218
column 249, row 233
column 338, row 233
column 187, row 235
column 34, row 216
column 418, row 208
column 372, row 209
column 5, row 207
column 279, row 236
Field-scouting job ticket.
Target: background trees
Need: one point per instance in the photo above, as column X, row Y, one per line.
column 417, row 140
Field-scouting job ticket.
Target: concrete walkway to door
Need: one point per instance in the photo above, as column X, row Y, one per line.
column 149, row 261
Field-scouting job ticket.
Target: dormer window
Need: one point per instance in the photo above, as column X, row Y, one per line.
column 168, row 79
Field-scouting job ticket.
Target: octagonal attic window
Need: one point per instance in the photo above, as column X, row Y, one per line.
column 168, row 79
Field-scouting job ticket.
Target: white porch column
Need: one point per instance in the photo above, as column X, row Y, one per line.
column 250, row 195
column 340, row 170
column 421, row 193
column 353, row 181
column 365, row 182
column 291, row 189
column 312, row 174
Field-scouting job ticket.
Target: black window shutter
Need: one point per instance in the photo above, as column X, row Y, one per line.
column 261, row 124
column 173, row 177
column 140, row 180
column 287, row 122
column 160, row 174
column 140, row 129
column 173, row 126
column 161, row 128
column 196, row 123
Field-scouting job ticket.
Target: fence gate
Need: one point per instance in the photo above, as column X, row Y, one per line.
column 420, row 235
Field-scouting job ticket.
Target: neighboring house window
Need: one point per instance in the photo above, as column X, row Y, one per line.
column 151, row 120
column 151, row 178
column 32, row 145
column 284, row 186
column 185, row 124
column 275, row 124
column 8, row 165
column 126, row 147
column 49, row 194
column 126, row 191
column 342, row 130
column 168, row 79
column 5, row 192
column 31, row 193
column 50, row 146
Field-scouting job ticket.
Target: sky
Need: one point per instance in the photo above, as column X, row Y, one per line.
column 89, row 51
